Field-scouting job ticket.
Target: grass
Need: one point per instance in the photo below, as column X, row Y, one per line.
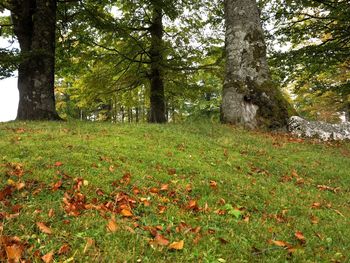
column 125, row 193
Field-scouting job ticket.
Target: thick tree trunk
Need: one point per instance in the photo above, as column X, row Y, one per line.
column 157, row 97
column 34, row 25
column 249, row 96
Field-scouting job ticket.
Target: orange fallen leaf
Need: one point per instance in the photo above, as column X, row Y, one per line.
column 57, row 185
column 213, row 184
column 299, row 235
column 14, row 252
column 58, row 164
column 314, row 220
column 161, row 240
column 279, row 243
column 316, row 205
column 48, row 257
column 44, row 228
column 89, row 243
column 164, row 187
column 126, row 213
column 177, row 245
column 112, row 225
column 51, row 213
column 64, row 249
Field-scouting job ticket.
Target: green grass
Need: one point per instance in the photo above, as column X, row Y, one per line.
column 268, row 188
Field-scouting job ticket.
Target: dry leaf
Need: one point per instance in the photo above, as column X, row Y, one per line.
column 164, row 187
column 51, row 213
column 160, row 240
column 213, row 184
column 14, row 252
column 58, row 164
column 177, row 245
column 299, row 235
column 126, row 213
column 48, row 257
column 64, row 249
column 44, row 228
column 279, row 243
column 89, row 243
column 112, row 225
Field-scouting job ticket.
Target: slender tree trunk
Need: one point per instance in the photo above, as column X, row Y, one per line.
column 157, row 98
column 249, row 96
column 34, row 25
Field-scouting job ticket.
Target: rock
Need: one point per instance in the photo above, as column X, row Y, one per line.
column 318, row 129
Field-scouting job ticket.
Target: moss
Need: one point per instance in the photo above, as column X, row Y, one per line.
column 274, row 110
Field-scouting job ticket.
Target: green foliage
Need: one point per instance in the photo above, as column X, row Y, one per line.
column 319, row 60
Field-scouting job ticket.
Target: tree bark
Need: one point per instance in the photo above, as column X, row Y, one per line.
column 157, row 97
column 249, row 96
column 35, row 25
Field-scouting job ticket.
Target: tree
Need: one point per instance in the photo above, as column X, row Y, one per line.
column 249, row 96
column 34, row 24
column 318, row 62
column 142, row 48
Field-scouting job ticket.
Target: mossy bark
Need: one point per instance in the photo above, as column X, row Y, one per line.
column 250, row 97
column 34, row 25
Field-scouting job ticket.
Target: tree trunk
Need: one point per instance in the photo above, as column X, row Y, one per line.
column 249, row 96
column 34, row 25
column 157, row 98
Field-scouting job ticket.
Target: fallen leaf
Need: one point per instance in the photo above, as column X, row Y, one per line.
column 48, row 257
column 213, row 184
column 164, row 187
column 112, row 225
column 314, row 220
column 64, row 249
column 57, row 185
column 316, row 205
column 58, row 164
column 279, row 243
column 299, row 235
column 177, row 245
column 51, row 213
column 126, row 213
column 161, row 240
column 14, row 252
column 89, row 243
column 44, row 228
column 171, row 171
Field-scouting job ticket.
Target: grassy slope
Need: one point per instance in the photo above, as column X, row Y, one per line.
column 272, row 179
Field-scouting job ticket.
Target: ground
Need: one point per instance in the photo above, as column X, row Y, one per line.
column 195, row 192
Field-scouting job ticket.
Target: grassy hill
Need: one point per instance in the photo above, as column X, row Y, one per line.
column 89, row 192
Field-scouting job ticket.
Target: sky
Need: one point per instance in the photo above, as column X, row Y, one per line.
column 8, row 94
column 8, row 91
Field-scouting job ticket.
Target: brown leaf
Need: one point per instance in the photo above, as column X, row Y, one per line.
column 299, row 235
column 213, row 184
column 316, row 205
column 48, row 257
column 51, row 213
column 112, row 225
column 177, row 245
column 6, row 192
column 161, row 240
column 192, row 205
column 58, row 164
column 279, row 243
column 14, row 252
column 89, row 243
column 164, row 187
column 64, row 249
column 171, row 171
column 57, row 185
column 44, row 228
column 314, row 220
